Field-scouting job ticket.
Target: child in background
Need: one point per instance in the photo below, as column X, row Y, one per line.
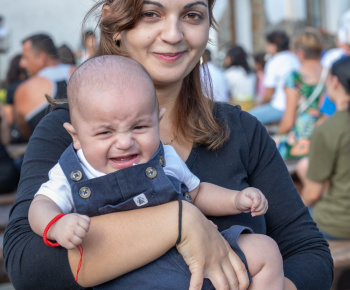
column 259, row 66
column 117, row 163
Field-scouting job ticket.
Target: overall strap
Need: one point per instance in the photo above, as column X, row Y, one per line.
column 71, row 166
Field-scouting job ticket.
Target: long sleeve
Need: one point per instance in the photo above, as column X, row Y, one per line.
column 250, row 158
column 307, row 259
column 30, row 263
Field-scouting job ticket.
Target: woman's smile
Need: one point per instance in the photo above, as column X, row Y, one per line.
column 170, row 57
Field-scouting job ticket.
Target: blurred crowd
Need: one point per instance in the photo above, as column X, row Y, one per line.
column 295, row 88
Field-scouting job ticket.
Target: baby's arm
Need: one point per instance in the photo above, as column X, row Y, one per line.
column 67, row 231
column 216, row 201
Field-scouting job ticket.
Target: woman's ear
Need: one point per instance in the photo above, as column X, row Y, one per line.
column 117, row 38
column 70, row 129
column 335, row 82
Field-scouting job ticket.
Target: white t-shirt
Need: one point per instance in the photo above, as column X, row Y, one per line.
column 220, row 87
column 241, row 84
column 277, row 69
column 59, row 190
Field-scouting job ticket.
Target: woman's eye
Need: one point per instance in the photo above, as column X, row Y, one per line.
column 149, row 15
column 193, row 16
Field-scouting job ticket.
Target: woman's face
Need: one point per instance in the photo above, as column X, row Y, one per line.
column 169, row 38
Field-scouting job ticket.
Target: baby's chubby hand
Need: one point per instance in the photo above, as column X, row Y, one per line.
column 251, row 200
column 70, row 230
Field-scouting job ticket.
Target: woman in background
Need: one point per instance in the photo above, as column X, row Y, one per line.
column 240, row 77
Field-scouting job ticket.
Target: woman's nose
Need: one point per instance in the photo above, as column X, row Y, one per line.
column 172, row 30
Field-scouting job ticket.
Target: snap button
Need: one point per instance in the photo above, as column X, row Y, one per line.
column 162, row 161
column 76, row 175
column 187, row 197
column 85, row 192
column 151, row 172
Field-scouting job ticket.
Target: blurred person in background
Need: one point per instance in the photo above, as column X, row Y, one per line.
column 88, row 46
column 9, row 174
column 332, row 55
column 66, row 55
column 304, row 88
column 4, row 36
column 217, row 77
column 280, row 64
column 327, row 184
column 47, row 77
column 15, row 76
column 259, row 66
column 240, row 77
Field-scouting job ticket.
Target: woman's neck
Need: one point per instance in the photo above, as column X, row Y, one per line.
column 311, row 70
column 342, row 102
column 167, row 96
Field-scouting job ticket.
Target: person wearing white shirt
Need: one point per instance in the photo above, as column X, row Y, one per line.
column 281, row 63
column 221, row 91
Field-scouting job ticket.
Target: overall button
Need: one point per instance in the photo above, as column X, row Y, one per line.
column 151, row 172
column 85, row 192
column 76, row 175
column 162, row 161
column 188, row 197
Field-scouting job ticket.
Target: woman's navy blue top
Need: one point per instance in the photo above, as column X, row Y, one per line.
column 249, row 158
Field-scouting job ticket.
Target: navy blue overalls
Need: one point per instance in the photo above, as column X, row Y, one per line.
column 137, row 186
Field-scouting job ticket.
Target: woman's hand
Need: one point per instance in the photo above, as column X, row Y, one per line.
column 207, row 253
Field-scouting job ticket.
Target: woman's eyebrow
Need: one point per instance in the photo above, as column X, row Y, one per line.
column 154, row 3
column 189, row 5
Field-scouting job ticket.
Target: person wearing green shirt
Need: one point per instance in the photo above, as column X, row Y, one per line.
column 327, row 183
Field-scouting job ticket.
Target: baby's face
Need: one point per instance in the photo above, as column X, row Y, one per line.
column 118, row 128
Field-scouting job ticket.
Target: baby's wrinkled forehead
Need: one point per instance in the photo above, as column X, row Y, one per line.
column 108, row 73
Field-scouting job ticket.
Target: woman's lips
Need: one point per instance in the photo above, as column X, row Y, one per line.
column 169, row 56
column 124, row 161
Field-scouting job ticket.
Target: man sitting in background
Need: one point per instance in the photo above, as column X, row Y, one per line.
column 48, row 76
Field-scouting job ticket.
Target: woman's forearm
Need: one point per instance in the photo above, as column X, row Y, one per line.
column 121, row 242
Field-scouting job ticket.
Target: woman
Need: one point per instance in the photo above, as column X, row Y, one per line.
column 168, row 38
column 240, row 77
column 304, row 89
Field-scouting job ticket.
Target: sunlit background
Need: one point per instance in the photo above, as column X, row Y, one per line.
column 242, row 22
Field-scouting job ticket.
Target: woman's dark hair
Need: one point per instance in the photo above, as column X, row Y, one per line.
column 193, row 113
column 279, row 38
column 260, row 57
column 66, row 55
column 238, row 57
column 341, row 69
column 15, row 72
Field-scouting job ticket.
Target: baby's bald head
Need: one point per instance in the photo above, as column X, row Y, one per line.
column 107, row 73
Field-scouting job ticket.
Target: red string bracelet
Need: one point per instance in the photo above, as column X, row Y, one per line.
column 49, row 225
column 47, row 242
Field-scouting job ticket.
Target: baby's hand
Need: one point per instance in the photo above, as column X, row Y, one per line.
column 251, row 200
column 70, row 230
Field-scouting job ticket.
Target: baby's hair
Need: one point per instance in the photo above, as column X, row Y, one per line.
column 102, row 73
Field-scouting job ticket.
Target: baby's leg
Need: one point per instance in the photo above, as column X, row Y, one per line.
column 264, row 261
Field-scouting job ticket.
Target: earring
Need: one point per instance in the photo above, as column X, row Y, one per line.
column 117, row 42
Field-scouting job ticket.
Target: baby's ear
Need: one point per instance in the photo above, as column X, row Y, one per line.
column 161, row 113
column 70, row 129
